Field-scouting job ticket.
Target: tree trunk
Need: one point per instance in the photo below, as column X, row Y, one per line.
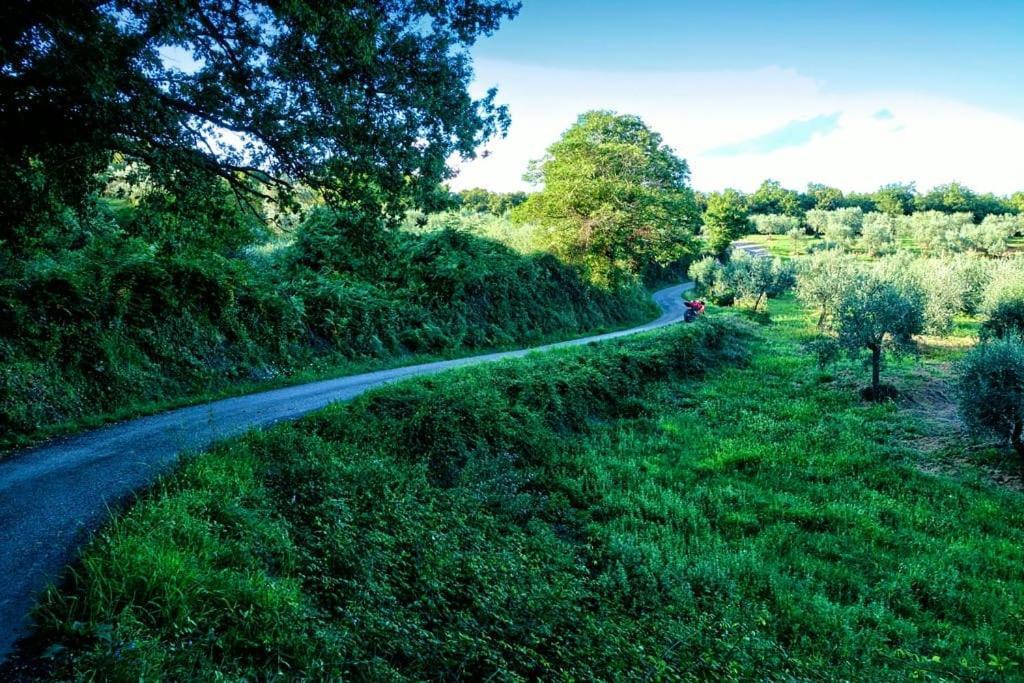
column 758, row 302
column 876, row 368
column 821, row 318
column 1015, row 438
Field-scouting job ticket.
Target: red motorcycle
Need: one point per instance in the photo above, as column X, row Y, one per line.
column 693, row 309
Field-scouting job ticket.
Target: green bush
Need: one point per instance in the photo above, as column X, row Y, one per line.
column 1004, row 317
column 991, row 389
column 124, row 320
column 436, row 527
column 775, row 224
column 878, row 234
column 743, row 278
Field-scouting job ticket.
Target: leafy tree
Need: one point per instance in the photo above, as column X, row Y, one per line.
column 876, row 315
column 822, row 197
column 878, row 234
column 949, row 198
column 991, row 389
column 771, row 197
column 503, row 202
column 475, row 200
column 616, row 198
column 725, row 220
column 364, row 100
column 775, row 224
column 1016, row 202
column 859, row 200
column 479, row 200
column 840, row 226
column 896, row 199
column 743, row 277
column 957, row 198
column 992, row 234
column 820, row 281
column 939, row 232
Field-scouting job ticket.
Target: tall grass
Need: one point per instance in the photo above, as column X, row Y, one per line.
column 115, row 326
column 660, row 508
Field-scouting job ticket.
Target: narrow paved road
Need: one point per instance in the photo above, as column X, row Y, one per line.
column 53, row 496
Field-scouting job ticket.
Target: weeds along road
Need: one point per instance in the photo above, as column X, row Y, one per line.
column 53, row 496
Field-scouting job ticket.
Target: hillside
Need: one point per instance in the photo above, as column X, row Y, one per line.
column 699, row 503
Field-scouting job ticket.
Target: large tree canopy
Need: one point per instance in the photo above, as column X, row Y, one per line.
column 364, row 99
column 615, row 197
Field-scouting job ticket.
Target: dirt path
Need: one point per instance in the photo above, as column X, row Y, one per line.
column 53, row 496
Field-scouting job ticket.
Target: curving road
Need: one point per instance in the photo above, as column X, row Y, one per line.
column 54, row 495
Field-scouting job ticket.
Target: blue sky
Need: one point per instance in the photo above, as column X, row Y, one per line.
column 854, row 93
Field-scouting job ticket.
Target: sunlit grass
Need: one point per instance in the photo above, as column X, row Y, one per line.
column 602, row 513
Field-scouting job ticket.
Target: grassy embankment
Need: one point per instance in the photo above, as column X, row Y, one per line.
column 599, row 512
column 118, row 329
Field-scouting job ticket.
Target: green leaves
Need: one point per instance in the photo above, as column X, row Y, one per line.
column 615, row 199
column 991, row 389
column 725, row 220
column 364, row 100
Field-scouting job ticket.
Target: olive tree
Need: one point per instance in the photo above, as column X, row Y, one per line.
column 775, row 223
column 820, row 279
column 876, row 315
column 755, row 279
column 939, row 232
column 992, row 234
column 991, row 389
column 1003, row 302
column 878, row 234
column 708, row 274
column 743, row 278
column 844, row 226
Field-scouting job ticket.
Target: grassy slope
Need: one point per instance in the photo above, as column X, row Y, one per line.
column 558, row 515
column 317, row 369
column 241, row 330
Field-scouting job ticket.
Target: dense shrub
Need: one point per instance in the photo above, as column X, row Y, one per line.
column 839, row 226
column 820, row 280
column 937, row 232
column 438, row 527
column 122, row 321
column 775, row 224
column 743, row 278
column 878, row 234
column 991, row 389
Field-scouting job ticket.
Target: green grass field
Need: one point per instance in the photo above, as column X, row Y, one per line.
column 659, row 508
column 781, row 245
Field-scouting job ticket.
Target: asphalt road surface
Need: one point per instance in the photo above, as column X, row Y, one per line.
column 53, row 496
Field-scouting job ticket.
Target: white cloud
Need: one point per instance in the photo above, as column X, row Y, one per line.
column 929, row 139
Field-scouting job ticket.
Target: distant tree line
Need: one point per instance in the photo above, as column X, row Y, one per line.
column 895, row 199
column 479, row 200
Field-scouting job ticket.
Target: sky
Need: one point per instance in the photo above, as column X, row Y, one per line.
column 854, row 94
